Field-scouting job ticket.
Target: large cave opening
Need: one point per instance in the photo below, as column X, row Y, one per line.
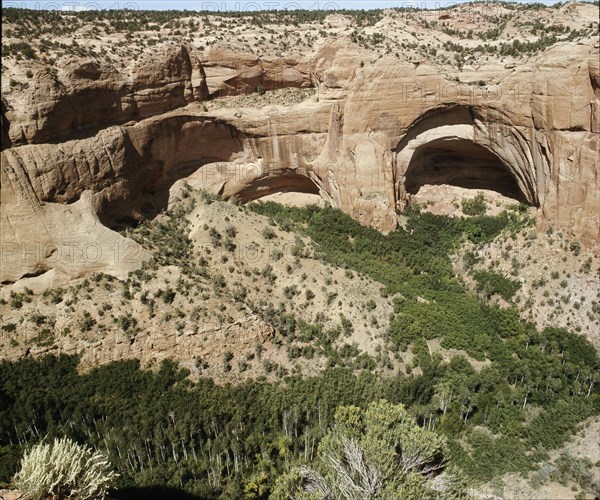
column 462, row 163
column 279, row 186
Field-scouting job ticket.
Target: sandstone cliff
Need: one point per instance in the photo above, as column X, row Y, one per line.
column 84, row 95
column 231, row 73
column 88, row 147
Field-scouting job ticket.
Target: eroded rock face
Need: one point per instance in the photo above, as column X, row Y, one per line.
column 371, row 139
column 84, row 95
column 233, row 73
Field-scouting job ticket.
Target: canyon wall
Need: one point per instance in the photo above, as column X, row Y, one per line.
column 89, row 148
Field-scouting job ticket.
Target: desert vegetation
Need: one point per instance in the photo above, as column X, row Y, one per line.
column 63, row 469
column 268, row 351
column 121, row 35
column 508, row 395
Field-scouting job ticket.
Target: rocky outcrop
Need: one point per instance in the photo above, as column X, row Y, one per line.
column 232, row 73
column 375, row 134
column 155, row 345
column 532, row 126
column 84, row 95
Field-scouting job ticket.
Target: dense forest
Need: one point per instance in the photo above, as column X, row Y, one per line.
column 514, row 395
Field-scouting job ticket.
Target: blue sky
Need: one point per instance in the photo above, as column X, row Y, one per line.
column 221, row 5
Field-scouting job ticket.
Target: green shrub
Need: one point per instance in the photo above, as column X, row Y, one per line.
column 490, row 283
column 476, row 206
column 268, row 233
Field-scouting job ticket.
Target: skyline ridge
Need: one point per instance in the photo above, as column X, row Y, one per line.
column 239, row 5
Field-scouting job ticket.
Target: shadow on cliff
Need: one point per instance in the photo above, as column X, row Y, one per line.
column 458, row 145
column 167, row 151
column 460, row 163
column 4, row 121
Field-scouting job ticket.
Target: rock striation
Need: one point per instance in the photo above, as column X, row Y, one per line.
column 84, row 95
column 231, row 73
column 87, row 148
